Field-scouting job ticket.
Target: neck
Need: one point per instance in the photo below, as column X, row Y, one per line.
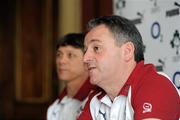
column 73, row 86
column 117, row 82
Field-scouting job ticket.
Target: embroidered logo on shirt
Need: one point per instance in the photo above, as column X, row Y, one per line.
column 147, row 107
column 103, row 114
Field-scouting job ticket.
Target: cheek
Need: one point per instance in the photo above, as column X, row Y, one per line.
column 104, row 64
column 78, row 66
column 110, row 62
column 56, row 61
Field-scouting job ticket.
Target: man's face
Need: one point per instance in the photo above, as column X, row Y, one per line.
column 102, row 55
column 69, row 63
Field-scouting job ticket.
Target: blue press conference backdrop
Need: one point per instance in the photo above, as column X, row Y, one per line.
column 159, row 24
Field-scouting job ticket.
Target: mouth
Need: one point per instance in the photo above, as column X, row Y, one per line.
column 62, row 70
column 91, row 68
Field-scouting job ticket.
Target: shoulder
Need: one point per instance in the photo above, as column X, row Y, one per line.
column 156, row 84
column 86, row 114
column 55, row 103
column 158, row 94
column 52, row 108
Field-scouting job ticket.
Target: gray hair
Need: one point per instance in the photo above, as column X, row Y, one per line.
column 123, row 31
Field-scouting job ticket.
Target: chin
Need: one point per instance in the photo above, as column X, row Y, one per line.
column 63, row 78
column 93, row 81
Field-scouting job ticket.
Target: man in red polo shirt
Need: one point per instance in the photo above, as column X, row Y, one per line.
column 131, row 88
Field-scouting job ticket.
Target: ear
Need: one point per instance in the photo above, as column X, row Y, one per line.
column 128, row 51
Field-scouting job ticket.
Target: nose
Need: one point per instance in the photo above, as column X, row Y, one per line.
column 61, row 60
column 87, row 56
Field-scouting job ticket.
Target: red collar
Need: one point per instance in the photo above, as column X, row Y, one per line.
column 136, row 76
column 82, row 93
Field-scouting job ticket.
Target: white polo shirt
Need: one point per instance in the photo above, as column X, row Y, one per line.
column 105, row 109
column 68, row 108
column 65, row 109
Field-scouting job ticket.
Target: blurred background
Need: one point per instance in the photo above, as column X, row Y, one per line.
column 28, row 33
column 29, row 30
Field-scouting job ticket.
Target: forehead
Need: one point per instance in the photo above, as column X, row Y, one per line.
column 68, row 48
column 100, row 33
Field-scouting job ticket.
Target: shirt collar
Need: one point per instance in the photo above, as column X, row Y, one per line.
column 136, row 76
column 82, row 93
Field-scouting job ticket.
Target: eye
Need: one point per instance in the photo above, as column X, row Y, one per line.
column 97, row 49
column 71, row 55
column 58, row 54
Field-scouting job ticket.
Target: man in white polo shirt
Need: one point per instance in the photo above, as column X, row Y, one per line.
column 131, row 88
column 71, row 70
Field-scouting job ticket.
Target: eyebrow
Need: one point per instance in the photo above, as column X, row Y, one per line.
column 95, row 40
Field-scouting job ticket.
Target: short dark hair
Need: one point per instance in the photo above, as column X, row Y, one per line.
column 123, row 31
column 75, row 40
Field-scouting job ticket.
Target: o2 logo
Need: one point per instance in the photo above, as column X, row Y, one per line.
column 176, row 79
column 155, row 30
